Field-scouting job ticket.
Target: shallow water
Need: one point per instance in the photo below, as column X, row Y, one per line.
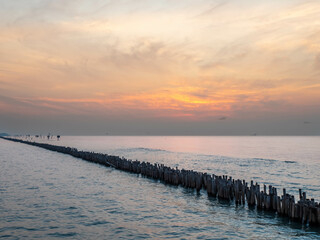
column 45, row 194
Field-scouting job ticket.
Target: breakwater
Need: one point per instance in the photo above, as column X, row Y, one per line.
column 223, row 187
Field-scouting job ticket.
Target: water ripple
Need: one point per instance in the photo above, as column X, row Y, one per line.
column 49, row 195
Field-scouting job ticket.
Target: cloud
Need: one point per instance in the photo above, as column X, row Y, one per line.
column 317, row 62
column 154, row 60
column 212, row 9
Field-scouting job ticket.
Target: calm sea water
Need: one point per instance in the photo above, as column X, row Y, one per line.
column 49, row 195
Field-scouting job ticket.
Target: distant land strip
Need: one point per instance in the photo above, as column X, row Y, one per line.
column 307, row 211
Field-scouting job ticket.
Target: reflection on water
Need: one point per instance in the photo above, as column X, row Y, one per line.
column 291, row 162
column 300, row 149
column 49, row 195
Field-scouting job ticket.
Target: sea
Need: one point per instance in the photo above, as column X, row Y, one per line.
column 49, row 195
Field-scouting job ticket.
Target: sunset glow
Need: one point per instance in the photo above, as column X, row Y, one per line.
column 173, row 61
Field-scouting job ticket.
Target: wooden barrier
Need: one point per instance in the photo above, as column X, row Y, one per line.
column 307, row 211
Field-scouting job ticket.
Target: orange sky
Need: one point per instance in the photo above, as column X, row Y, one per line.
column 191, row 62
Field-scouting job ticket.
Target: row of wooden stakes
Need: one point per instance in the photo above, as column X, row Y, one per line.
column 307, row 211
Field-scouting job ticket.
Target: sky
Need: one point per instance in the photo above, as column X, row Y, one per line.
column 160, row 67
